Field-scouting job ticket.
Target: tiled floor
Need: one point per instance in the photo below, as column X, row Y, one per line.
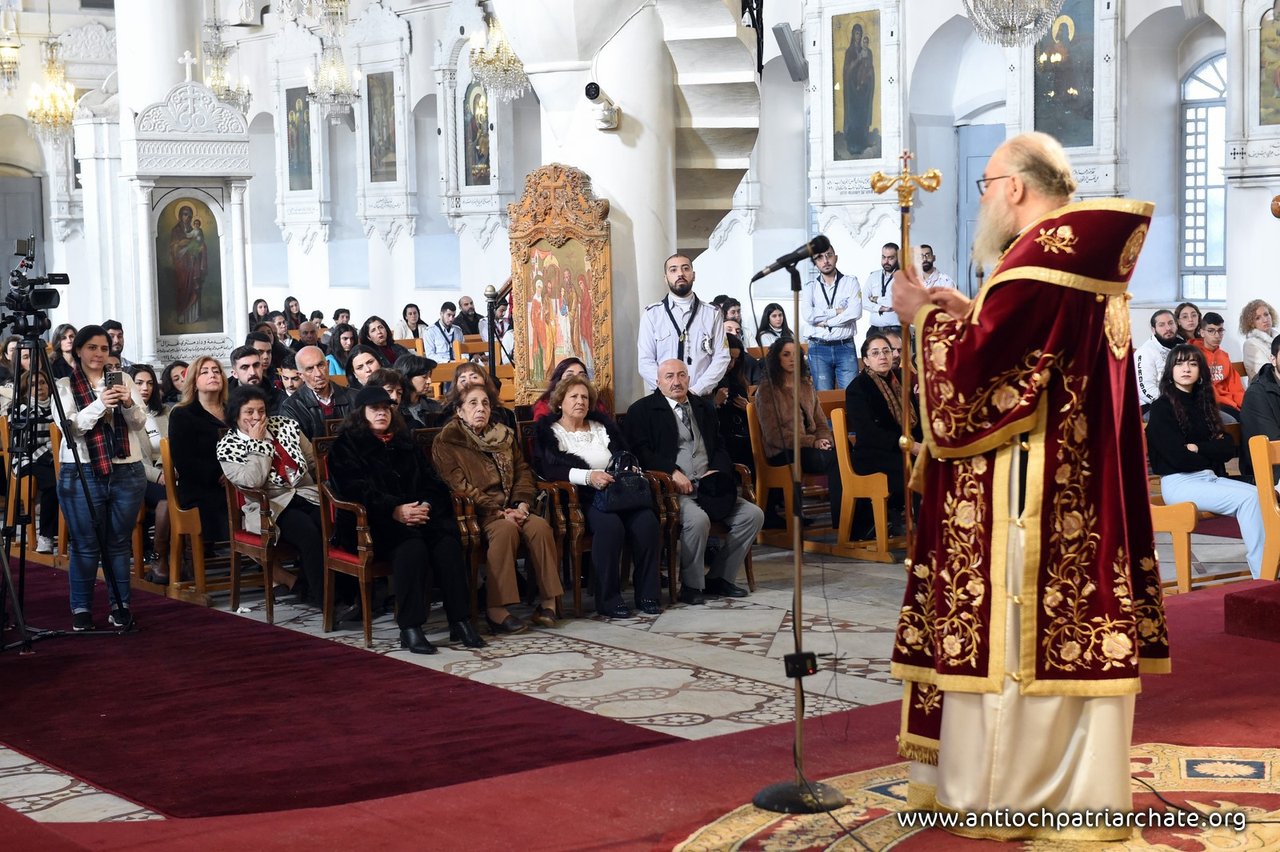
column 692, row 672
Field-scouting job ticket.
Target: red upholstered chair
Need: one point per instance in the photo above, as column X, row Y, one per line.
column 360, row 563
column 261, row 547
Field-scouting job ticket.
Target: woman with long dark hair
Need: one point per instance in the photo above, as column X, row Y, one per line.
column 173, row 378
column 417, row 407
column 293, row 314
column 731, row 398
column 157, row 428
column 1188, row 319
column 259, row 312
column 342, row 339
column 1189, row 450
column 63, row 361
column 100, row 419
column 773, row 325
column 787, row 374
column 362, row 363
column 376, row 333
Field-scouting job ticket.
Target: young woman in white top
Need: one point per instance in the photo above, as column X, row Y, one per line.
column 773, row 325
column 157, row 428
column 1257, row 326
column 103, row 411
column 411, row 324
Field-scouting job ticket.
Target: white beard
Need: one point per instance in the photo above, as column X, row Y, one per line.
column 996, row 227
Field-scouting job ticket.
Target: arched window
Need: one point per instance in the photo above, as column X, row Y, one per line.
column 1202, row 266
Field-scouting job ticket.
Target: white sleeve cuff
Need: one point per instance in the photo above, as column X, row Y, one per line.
column 580, row 476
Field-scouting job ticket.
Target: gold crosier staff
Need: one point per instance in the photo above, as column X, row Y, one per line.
column 906, row 184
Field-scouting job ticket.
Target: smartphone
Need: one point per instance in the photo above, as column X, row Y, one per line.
column 113, row 378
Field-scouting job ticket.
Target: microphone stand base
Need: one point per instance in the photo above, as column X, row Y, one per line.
column 792, row 797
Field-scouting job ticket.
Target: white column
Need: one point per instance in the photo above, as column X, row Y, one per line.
column 95, row 277
column 633, row 166
column 144, row 341
column 150, row 36
column 235, row 324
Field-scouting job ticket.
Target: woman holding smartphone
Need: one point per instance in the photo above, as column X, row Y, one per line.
column 101, row 407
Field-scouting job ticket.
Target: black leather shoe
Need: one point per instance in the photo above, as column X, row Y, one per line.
column 650, row 607
column 412, row 638
column 510, row 624
column 723, row 588
column 350, row 612
column 692, row 596
column 619, row 611
column 462, row 631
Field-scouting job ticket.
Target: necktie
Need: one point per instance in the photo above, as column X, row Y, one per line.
column 683, row 410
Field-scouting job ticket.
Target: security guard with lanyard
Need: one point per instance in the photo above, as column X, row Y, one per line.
column 685, row 327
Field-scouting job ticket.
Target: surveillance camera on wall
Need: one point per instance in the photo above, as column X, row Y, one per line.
column 607, row 113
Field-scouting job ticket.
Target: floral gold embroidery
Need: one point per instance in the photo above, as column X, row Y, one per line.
column 928, row 698
column 1132, row 248
column 1009, row 391
column 1059, row 240
column 946, row 619
column 1116, row 324
column 938, row 356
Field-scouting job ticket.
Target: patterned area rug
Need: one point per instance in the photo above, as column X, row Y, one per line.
column 1241, row 784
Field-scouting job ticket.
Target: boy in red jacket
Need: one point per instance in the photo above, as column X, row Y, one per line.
column 1227, row 387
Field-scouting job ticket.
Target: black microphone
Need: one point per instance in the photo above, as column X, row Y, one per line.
column 817, row 245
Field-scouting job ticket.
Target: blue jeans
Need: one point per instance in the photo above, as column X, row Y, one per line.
column 1211, row 493
column 833, row 365
column 116, row 499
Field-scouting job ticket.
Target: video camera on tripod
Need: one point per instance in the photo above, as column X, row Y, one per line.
column 28, row 298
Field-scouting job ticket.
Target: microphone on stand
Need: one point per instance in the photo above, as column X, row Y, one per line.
column 817, row 245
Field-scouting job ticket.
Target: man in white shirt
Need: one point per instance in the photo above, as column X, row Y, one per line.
column 683, row 327
column 933, row 277
column 506, row 333
column 877, row 291
column 1149, row 358
column 830, row 307
column 438, row 341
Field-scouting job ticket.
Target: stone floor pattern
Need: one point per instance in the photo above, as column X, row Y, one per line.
column 692, row 672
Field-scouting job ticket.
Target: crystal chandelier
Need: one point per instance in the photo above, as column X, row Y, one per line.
column 331, row 86
column 217, row 54
column 496, row 66
column 10, row 45
column 326, row 12
column 52, row 106
column 1012, row 23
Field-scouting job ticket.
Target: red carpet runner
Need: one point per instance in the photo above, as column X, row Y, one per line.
column 205, row 713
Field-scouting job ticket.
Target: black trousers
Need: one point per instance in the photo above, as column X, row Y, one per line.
column 46, row 493
column 299, row 526
column 415, row 560
column 610, row 531
column 814, row 460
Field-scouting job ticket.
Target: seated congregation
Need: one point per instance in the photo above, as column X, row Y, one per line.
column 359, row 471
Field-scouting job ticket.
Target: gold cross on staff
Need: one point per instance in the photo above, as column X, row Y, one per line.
column 906, row 182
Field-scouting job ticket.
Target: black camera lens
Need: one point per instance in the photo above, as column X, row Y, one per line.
column 593, row 91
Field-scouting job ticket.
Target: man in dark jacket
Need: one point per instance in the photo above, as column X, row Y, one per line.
column 319, row 399
column 678, row 433
column 1260, row 411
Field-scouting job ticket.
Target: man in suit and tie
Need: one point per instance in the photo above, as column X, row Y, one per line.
column 677, row 432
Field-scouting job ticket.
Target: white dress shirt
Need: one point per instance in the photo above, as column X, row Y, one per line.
column 838, row 306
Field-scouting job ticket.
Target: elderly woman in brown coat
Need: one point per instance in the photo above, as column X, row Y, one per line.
column 482, row 460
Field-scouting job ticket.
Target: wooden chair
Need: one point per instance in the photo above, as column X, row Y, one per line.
column 1238, row 366
column 21, row 494
column 183, row 523
column 464, row 512
column 359, row 564
column 873, row 487
column 469, row 346
column 339, row 380
column 261, row 547
column 1265, row 455
column 413, row 344
column 671, row 523
column 1180, row 520
column 830, row 400
column 769, row 476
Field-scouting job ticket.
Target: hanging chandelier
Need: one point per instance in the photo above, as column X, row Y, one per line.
column 328, row 13
column 495, row 65
column 330, row 85
column 217, row 54
column 52, row 106
column 1012, row 23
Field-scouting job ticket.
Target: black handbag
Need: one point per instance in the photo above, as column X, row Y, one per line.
column 629, row 489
